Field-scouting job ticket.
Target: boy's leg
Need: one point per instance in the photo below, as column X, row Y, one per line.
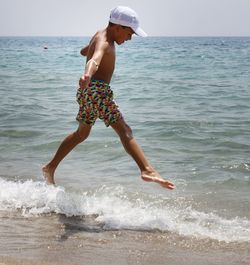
column 66, row 146
column 148, row 173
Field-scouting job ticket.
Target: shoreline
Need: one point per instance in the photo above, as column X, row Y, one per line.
column 127, row 248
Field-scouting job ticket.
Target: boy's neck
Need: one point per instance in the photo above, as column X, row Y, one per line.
column 110, row 34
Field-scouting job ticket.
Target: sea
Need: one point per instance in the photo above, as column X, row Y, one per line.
column 187, row 100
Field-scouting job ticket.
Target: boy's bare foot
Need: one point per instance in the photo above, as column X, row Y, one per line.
column 155, row 177
column 48, row 175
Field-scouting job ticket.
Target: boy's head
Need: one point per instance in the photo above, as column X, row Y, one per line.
column 126, row 17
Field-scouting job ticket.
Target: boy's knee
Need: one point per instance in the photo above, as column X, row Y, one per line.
column 81, row 136
column 123, row 130
column 128, row 133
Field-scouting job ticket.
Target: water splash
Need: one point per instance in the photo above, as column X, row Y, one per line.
column 114, row 208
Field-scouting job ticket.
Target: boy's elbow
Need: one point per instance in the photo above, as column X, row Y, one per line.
column 82, row 52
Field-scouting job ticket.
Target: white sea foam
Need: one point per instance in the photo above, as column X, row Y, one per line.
column 116, row 209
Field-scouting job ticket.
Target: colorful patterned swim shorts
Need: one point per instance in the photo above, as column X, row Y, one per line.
column 96, row 101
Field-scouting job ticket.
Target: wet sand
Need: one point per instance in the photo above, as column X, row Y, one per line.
column 14, row 261
column 73, row 241
column 140, row 253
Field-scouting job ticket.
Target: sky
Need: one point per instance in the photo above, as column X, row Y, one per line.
column 157, row 17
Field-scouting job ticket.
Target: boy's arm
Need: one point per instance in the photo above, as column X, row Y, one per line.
column 93, row 64
column 84, row 50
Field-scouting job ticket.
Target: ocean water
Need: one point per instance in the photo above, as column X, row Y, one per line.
column 187, row 101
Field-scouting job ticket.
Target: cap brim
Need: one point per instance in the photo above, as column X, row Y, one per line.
column 140, row 32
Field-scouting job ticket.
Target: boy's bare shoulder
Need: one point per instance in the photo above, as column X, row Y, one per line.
column 100, row 41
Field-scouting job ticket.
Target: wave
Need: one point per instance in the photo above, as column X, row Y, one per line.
column 19, row 133
column 243, row 167
column 112, row 208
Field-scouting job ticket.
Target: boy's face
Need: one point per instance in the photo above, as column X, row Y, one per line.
column 123, row 34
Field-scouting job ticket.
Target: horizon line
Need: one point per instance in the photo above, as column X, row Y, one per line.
column 151, row 36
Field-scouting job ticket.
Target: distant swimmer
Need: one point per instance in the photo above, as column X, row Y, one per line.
column 95, row 97
column 45, row 47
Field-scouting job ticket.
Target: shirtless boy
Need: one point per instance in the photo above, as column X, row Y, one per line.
column 95, row 97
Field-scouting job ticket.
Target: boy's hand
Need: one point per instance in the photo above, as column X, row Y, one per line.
column 84, row 81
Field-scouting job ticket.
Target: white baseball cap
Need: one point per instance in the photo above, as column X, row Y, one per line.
column 125, row 16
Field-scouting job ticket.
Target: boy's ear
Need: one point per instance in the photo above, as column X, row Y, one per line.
column 118, row 28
